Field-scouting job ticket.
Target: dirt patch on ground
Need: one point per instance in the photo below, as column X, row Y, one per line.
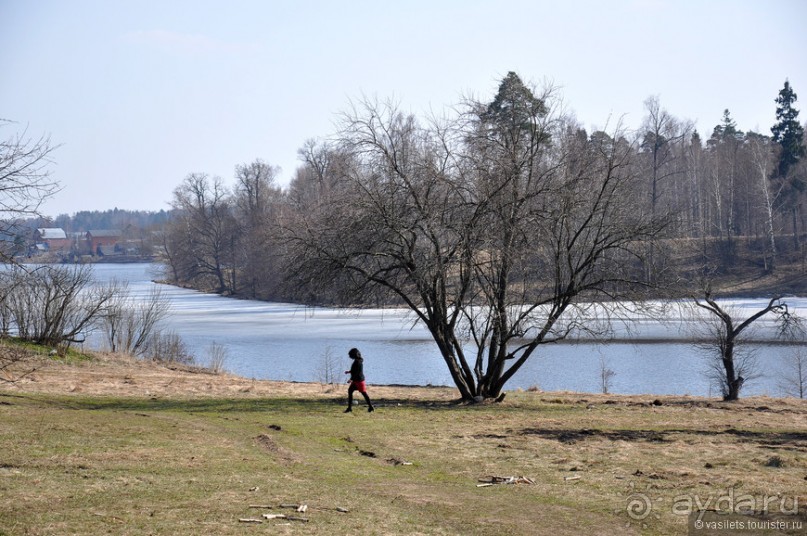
column 268, row 443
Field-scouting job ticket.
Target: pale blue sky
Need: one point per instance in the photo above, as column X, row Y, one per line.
column 141, row 93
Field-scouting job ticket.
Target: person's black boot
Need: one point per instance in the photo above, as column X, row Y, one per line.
column 348, row 410
column 370, row 409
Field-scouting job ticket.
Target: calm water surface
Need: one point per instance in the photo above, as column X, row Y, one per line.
column 291, row 342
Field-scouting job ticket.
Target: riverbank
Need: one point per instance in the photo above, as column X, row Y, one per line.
column 106, row 374
column 109, row 374
column 114, row 445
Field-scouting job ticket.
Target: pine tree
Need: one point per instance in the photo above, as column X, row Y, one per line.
column 787, row 131
column 515, row 104
column 789, row 135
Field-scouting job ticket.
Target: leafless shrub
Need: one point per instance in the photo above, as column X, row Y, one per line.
column 794, row 378
column 53, row 305
column 168, row 347
column 15, row 362
column 130, row 325
column 606, row 376
column 216, row 357
column 328, row 368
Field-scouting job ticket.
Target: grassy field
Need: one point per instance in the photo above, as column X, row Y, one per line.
column 146, row 459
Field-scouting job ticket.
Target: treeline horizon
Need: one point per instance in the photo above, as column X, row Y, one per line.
column 115, row 218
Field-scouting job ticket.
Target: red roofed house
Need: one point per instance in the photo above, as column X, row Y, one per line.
column 52, row 239
column 104, row 241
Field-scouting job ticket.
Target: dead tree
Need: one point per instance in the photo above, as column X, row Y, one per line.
column 727, row 335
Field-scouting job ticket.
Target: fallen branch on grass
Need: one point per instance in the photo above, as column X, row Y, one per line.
column 300, row 508
column 495, row 480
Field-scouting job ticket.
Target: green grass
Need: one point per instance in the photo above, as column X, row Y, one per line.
column 105, row 465
column 65, row 355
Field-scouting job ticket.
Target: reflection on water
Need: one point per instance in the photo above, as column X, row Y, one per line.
column 289, row 342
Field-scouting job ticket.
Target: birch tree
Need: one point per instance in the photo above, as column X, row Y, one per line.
column 761, row 157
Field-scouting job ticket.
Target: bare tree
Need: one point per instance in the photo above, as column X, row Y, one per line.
column 328, row 368
column 25, row 182
column 496, row 229
column 322, row 165
column 255, row 199
column 204, row 230
column 396, row 229
column 661, row 135
column 696, row 192
column 606, row 376
column 728, row 177
column 565, row 233
column 794, row 378
column 177, row 253
column 732, row 368
column 113, row 321
column 762, row 157
column 660, row 154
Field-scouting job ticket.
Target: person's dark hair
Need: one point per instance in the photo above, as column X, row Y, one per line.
column 354, row 353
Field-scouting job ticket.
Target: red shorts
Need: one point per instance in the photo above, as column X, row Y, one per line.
column 359, row 386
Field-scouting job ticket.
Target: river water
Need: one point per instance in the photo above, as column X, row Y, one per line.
column 292, row 342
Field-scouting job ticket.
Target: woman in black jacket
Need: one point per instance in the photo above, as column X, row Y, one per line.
column 357, row 380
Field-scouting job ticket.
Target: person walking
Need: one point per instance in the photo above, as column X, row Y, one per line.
column 356, row 380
